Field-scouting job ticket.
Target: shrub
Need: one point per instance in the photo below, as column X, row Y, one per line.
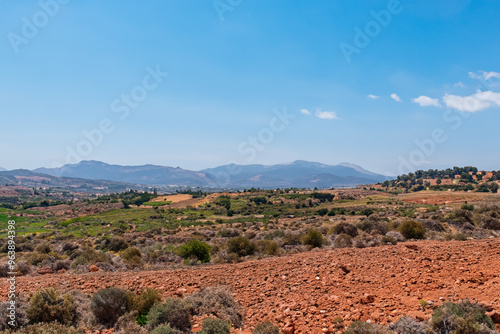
column 346, row 228
column 313, row 238
column 132, row 257
column 398, row 237
column 292, row 239
column 241, row 246
column 43, row 248
column 50, row 328
column 408, row 325
column 109, row 304
column 163, row 329
column 269, row 247
column 117, row 244
column 128, row 323
column 173, row 312
column 469, row 207
column 373, row 224
column 412, row 229
column 89, row 256
column 142, row 303
column 266, row 328
column 388, row 240
column 215, row 326
column 359, row 327
column 196, row 249
column 342, row 241
column 217, row 301
column 464, row 317
column 47, row 305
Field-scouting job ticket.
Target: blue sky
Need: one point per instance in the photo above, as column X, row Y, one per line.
column 68, row 67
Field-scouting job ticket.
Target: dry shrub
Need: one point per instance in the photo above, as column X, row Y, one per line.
column 47, row 305
column 342, row 241
column 266, row 328
column 359, row 327
column 215, row 326
column 217, row 301
column 174, row 312
column 109, row 304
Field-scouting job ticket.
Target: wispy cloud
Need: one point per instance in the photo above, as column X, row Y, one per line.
column 305, row 111
column 396, row 97
column 459, row 84
column 425, row 101
column 371, row 96
column 485, row 75
column 472, row 103
column 326, row 115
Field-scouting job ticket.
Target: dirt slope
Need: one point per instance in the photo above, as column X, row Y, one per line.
column 307, row 291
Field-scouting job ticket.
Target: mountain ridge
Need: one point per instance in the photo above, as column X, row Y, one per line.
column 299, row 173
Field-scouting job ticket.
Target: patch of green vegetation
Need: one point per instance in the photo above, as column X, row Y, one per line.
column 154, row 204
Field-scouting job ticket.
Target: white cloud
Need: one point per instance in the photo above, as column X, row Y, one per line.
column 485, row 75
column 425, row 101
column 459, row 84
column 472, row 103
column 326, row 115
column 489, row 75
column 305, row 111
column 371, row 96
column 396, row 97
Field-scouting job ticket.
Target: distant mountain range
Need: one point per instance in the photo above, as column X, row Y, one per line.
column 2, row 169
column 29, row 179
column 301, row 174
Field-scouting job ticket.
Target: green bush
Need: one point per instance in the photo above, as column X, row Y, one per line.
column 132, row 257
column 142, row 303
column 47, row 305
column 313, row 238
column 109, row 304
column 173, row 312
column 269, row 247
column 195, row 248
column 412, row 229
column 359, row 327
column 461, row 318
column 117, row 244
column 215, row 326
column 266, row 328
column 241, row 246
column 218, row 301
column 89, row 256
column 163, row 329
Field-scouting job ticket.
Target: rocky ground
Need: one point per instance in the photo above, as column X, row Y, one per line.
column 310, row 292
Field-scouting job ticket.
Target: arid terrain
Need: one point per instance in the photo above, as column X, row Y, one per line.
column 304, row 292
